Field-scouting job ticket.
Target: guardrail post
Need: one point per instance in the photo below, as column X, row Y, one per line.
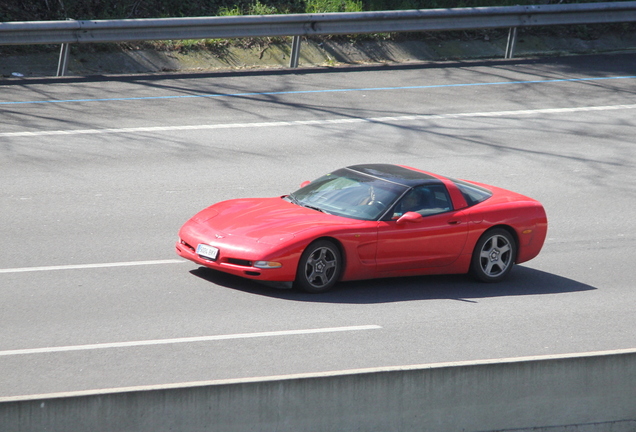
column 512, row 40
column 295, row 52
column 62, row 64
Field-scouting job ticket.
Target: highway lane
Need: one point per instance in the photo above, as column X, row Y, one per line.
column 559, row 130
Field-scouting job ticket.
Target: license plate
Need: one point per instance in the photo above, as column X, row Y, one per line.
column 207, row 251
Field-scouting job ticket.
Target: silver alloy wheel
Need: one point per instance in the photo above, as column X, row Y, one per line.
column 319, row 267
column 495, row 256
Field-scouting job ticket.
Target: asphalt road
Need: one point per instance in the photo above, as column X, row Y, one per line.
column 98, row 175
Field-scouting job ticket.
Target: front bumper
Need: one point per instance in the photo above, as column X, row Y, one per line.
column 239, row 267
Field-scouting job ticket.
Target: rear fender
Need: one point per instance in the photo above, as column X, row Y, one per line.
column 526, row 221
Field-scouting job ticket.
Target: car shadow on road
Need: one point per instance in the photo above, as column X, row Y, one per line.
column 521, row 281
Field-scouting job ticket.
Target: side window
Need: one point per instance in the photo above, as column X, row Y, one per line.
column 425, row 200
column 473, row 194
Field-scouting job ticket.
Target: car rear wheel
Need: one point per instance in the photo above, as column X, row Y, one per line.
column 319, row 267
column 494, row 255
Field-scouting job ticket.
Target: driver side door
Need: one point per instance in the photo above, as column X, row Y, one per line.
column 435, row 238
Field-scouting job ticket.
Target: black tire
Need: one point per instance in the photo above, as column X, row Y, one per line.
column 494, row 255
column 319, row 267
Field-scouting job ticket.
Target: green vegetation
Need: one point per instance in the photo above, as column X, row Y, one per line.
column 17, row 10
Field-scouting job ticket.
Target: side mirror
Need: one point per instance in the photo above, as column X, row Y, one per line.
column 410, row 217
column 305, row 183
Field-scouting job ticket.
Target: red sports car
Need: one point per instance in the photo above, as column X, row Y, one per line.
column 368, row 221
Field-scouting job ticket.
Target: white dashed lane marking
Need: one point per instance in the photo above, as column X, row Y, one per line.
column 184, row 340
column 392, row 119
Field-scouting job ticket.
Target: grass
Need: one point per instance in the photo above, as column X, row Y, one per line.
column 127, row 9
column 120, row 9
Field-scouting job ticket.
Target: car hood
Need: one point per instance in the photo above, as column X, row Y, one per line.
column 267, row 220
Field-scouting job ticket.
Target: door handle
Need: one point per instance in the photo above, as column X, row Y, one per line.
column 454, row 222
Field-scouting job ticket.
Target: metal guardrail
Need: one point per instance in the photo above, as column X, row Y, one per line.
column 98, row 31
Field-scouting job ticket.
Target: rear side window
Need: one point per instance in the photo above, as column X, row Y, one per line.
column 473, row 194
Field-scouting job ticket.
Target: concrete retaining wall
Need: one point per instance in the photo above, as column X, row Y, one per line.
column 582, row 393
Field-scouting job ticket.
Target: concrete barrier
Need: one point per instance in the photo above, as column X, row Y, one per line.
column 584, row 393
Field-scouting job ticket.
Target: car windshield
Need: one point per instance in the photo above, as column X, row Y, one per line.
column 350, row 194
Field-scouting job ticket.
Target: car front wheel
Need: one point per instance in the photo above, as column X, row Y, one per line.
column 319, row 267
column 494, row 255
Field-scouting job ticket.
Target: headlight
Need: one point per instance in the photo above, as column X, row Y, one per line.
column 267, row 264
column 205, row 215
column 276, row 239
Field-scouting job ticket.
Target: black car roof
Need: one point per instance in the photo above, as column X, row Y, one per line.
column 396, row 174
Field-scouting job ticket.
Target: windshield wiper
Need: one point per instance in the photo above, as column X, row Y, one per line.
column 313, row 208
column 295, row 200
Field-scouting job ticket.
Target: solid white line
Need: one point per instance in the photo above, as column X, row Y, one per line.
column 184, row 340
column 335, row 373
column 318, row 122
column 91, row 266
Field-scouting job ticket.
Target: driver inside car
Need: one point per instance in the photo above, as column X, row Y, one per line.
column 414, row 201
